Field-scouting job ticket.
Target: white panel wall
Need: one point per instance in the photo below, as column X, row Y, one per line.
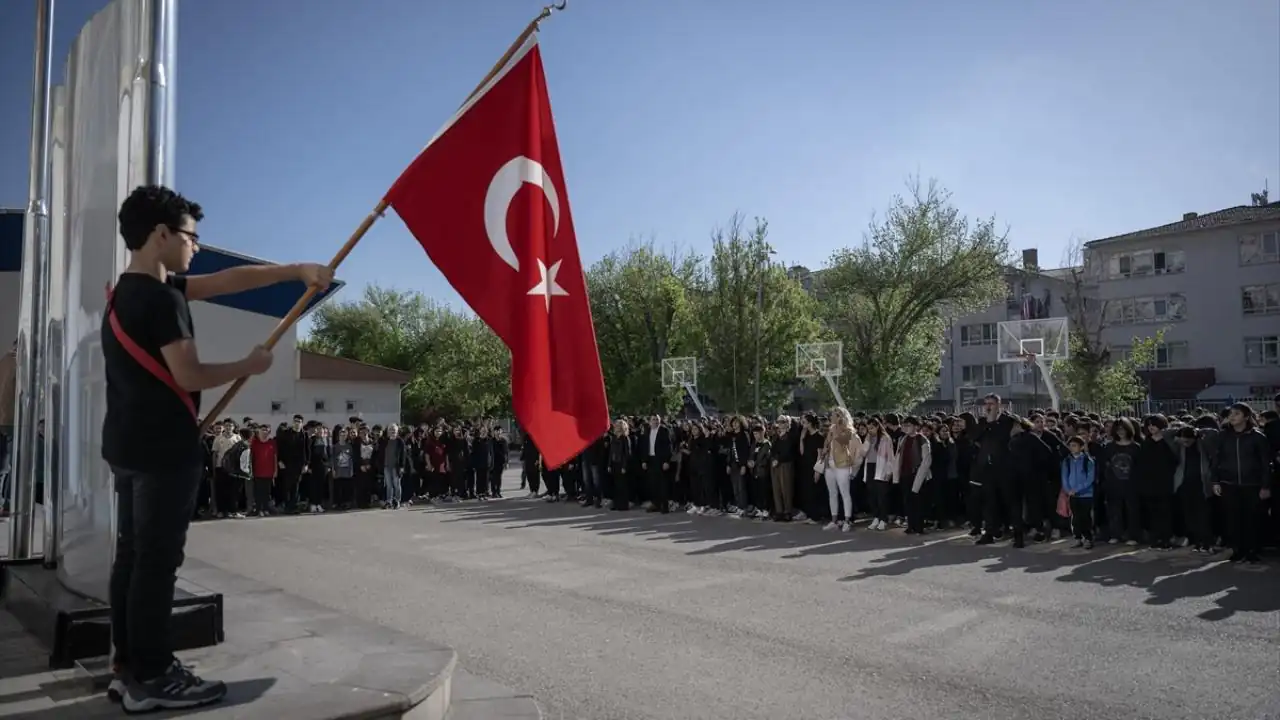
column 224, row 335
column 375, row 403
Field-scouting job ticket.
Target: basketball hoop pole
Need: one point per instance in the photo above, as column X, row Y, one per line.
column 1047, row 374
column 693, row 395
column 835, row 389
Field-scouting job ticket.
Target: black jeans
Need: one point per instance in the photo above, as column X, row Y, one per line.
column 262, row 494
column 917, row 506
column 153, row 512
column 1244, row 517
column 658, row 486
column 1082, row 518
column 878, row 493
column 1195, row 514
column 621, row 487
column 531, row 476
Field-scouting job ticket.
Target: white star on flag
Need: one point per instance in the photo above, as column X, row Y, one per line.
column 548, row 287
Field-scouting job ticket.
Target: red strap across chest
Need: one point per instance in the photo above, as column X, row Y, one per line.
column 148, row 363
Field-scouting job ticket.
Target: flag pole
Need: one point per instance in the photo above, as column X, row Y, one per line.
column 289, row 320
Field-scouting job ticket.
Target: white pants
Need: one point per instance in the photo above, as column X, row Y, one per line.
column 838, row 487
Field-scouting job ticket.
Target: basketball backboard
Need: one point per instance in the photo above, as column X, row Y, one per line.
column 679, row 372
column 816, row 360
column 1046, row 339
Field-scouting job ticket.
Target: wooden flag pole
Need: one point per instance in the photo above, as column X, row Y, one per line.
column 295, row 312
column 289, row 320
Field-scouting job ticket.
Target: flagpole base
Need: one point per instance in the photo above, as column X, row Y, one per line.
column 76, row 628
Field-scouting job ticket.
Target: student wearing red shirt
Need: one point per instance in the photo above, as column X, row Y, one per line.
column 264, row 459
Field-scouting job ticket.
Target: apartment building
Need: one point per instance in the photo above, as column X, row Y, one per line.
column 1212, row 281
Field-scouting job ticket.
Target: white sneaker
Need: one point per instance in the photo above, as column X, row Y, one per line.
column 800, row 516
column 882, row 525
column 846, row 526
column 829, row 526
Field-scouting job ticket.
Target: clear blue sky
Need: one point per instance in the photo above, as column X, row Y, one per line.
column 1065, row 119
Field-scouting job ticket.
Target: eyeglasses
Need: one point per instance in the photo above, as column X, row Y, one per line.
column 193, row 237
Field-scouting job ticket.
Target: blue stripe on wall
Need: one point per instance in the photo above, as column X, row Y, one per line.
column 11, row 240
column 274, row 301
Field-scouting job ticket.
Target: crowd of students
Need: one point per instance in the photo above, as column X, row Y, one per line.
column 254, row 469
column 1202, row 480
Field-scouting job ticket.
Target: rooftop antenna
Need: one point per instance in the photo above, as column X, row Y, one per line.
column 1261, row 199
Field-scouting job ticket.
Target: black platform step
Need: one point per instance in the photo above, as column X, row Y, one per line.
column 75, row 627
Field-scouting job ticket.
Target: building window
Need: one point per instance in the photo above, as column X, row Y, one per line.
column 1153, row 309
column 1168, row 356
column 1261, row 299
column 980, row 334
column 351, row 406
column 277, row 406
column 982, row 375
column 319, row 405
column 1260, row 248
column 1146, row 262
column 1262, row 351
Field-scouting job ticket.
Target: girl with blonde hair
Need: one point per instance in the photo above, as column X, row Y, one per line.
column 839, row 454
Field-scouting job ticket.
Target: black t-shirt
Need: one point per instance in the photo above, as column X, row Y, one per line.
column 148, row 427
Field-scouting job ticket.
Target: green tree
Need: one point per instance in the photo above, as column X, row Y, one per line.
column 750, row 311
column 886, row 300
column 641, row 307
column 459, row 367
column 1111, row 386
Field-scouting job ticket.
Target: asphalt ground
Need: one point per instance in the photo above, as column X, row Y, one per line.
column 606, row 615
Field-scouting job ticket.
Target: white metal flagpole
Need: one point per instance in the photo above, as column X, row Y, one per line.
column 34, row 306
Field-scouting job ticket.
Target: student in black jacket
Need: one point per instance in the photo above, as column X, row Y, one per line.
column 501, row 453
column 782, row 469
column 1155, row 467
column 292, row 448
column 530, row 471
column 992, row 469
column 481, row 463
column 1043, row 479
column 620, row 465
column 1242, row 477
column 459, row 462
column 657, row 456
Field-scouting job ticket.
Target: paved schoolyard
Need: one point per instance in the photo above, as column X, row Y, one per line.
column 632, row 615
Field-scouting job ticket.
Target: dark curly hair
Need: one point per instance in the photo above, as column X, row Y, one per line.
column 151, row 205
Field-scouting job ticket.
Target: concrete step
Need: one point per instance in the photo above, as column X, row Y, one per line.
column 284, row 657
column 475, row 698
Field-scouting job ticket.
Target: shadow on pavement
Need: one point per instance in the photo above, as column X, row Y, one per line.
column 1166, row 576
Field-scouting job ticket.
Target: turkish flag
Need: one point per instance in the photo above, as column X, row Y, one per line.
column 487, row 200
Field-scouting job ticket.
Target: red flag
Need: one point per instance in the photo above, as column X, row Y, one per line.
column 487, row 200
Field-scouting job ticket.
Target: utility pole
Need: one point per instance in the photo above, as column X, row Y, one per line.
column 762, row 261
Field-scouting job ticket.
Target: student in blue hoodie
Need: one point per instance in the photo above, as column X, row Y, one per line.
column 1078, row 472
